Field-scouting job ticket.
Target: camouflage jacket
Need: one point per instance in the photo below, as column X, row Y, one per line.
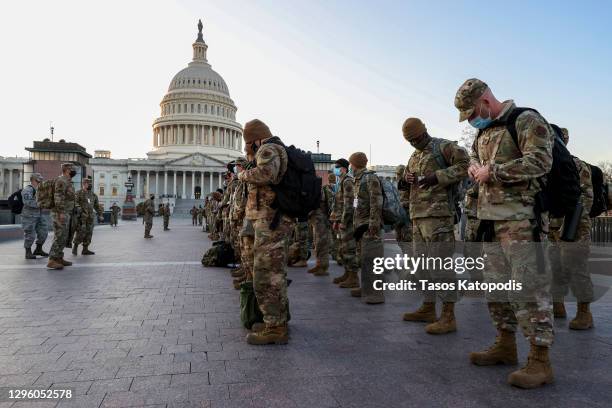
column 271, row 165
column 30, row 205
column 327, row 200
column 471, row 201
column 87, row 203
column 368, row 199
column 64, row 195
column 433, row 201
column 115, row 209
column 239, row 201
column 227, row 197
column 165, row 212
column 149, row 208
column 510, row 192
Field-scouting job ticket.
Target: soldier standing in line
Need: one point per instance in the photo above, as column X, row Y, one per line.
column 342, row 217
column 246, row 235
column 230, row 181
column 115, row 211
column 570, row 259
column 33, row 219
column 149, row 212
column 166, row 216
column 507, row 174
column 403, row 233
column 63, row 205
column 87, row 204
column 270, row 245
column 200, row 215
column 434, row 167
column 319, row 222
column 236, row 219
column 330, row 191
column 298, row 250
column 194, row 216
column 367, row 224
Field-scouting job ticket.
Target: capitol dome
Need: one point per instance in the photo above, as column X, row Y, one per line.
column 197, row 113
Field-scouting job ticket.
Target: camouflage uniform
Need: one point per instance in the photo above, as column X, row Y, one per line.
column 367, row 205
column 149, row 211
column 270, row 246
column 431, row 212
column 334, row 242
column 403, row 233
column 115, row 210
column 63, row 204
column 343, row 214
column 200, row 215
column 194, row 215
column 166, row 216
column 472, row 248
column 34, row 220
column 507, row 200
column 225, row 205
column 86, row 204
column 238, row 203
column 319, row 223
column 298, row 250
column 569, row 260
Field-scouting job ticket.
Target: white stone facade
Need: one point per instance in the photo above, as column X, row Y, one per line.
column 11, row 175
column 194, row 137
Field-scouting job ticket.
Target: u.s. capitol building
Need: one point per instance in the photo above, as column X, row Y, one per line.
column 194, row 137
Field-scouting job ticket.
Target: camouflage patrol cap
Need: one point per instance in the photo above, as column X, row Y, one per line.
column 565, row 135
column 331, row 178
column 399, row 170
column 36, row 176
column 467, row 95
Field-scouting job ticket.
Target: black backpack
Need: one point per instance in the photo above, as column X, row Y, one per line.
column 600, row 193
column 454, row 192
column 561, row 186
column 299, row 191
column 15, row 202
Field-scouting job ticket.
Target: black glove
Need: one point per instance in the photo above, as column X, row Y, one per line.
column 429, row 181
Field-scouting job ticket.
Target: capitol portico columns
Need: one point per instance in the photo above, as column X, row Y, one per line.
column 165, row 182
column 138, row 195
column 174, row 186
column 201, row 184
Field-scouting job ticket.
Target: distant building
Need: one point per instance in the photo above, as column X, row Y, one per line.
column 323, row 164
column 386, row 171
column 11, row 175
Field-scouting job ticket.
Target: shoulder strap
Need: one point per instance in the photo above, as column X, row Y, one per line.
column 437, row 153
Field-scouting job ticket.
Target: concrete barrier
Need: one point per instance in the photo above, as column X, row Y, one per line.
column 10, row 232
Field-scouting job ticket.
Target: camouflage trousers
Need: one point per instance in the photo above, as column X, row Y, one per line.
column 403, row 236
column 84, row 230
column 194, row 220
column 471, row 248
column 515, row 256
column 35, row 228
column 226, row 228
column 247, row 240
column 298, row 250
column 113, row 219
column 321, row 236
column 73, row 227
column 166, row 222
column 569, row 263
column 269, row 272
column 348, row 250
column 60, row 235
column 234, row 236
column 370, row 247
column 335, row 245
column 434, row 237
column 200, row 219
column 148, row 222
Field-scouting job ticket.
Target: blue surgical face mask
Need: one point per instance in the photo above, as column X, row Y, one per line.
column 337, row 171
column 481, row 123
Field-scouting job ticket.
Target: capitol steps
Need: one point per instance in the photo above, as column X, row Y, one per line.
column 182, row 207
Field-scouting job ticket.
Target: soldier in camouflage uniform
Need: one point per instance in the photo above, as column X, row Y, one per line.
column 236, row 219
column 434, row 167
column 194, row 215
column 270, row 245
column 86, row 205
column 246, row 234
column 472, row 247
column 63, row 205
column 166, row 216
column 367, row 224
column 200, row 215
column 507, row 175
column 115, row 210
column 319, row 223
column 34, row 220
column 149, row 212
column 330, row 191
column 298, row 250
column 225, row 205
column 569, row 260
column 216, row 215
column 342, row 218
column 403, row 233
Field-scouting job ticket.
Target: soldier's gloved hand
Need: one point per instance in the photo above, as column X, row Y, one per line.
column 429, row 181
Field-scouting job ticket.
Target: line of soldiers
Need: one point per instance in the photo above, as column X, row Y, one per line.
column 502, row 223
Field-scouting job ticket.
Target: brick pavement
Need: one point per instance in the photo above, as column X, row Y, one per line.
column 141, row 323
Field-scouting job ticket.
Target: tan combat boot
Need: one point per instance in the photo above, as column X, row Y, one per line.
column 559, row 310
column 341, row 278
column 583, row 319
column 269, row 335
column 536, row 373
column 299, row 264
column 446, row 323
column 75, row 248
column 54, row 264
column 503, row 351
column 65, row 262
column 352, row 281
column 315, row 268
column 322, row 271
column 258, row 326
column 236, row 273
column 426, row 313
column 356, row 292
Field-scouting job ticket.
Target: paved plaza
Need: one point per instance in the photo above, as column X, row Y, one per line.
column 142, row 323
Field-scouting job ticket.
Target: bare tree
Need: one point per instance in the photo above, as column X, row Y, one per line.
column 468, row 134
column 606, row 168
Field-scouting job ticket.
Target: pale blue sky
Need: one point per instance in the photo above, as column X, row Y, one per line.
column 346, row 73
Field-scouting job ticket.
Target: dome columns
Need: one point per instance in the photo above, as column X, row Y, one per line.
column 196, row 134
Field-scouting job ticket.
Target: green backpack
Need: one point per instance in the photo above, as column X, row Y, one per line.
column 45, row 194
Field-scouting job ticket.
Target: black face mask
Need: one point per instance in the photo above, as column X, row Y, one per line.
column 254, row 147
column 152, row 197
column 72, row 173
column 89, row 187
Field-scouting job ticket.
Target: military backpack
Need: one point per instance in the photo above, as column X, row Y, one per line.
column 600, row 193
column 15, row 202
column 45, row 195
column 455, row 194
